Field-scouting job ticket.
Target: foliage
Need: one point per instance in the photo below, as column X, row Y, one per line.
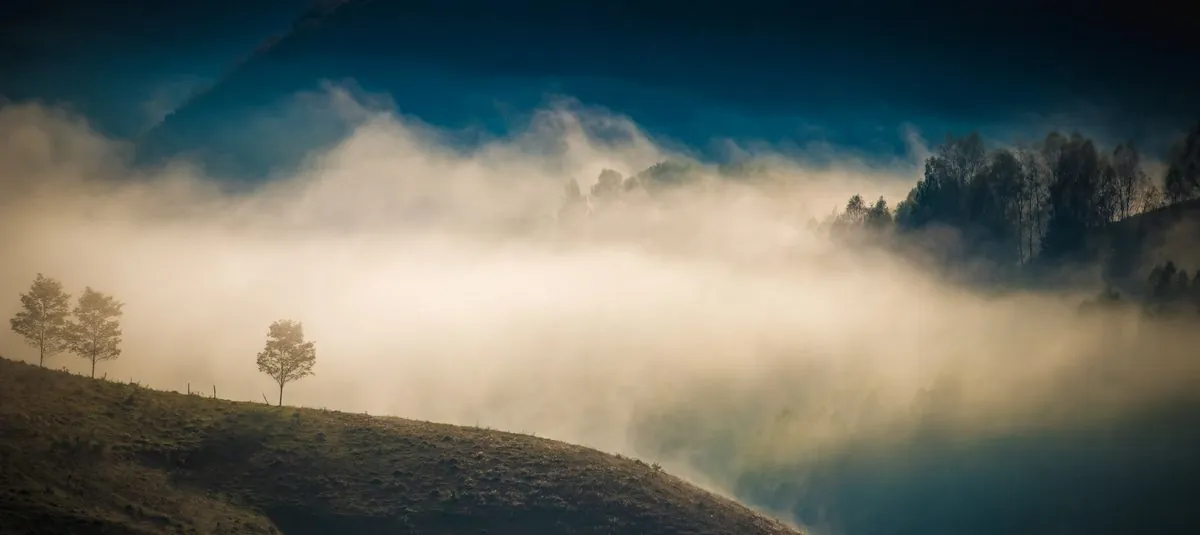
column 287, row 357
column 981, row 195
column 1183, row 173
column 1169, row 291
column 95, row 332
column 608, row 185
column 1079, row 199
column 665, row 174
column 879, row 216
column 43, row 318
column 989, row 211
column 1014, row 205
column 862, row 221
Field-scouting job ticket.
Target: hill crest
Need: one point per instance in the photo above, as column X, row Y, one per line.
column 105, row 457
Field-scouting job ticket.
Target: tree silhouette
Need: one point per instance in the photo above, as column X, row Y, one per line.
column 1079, row 200
column 857, row 218
column 985, row 196
column 286, row 357
column 1169, row 290
column 1128, row 179
column 1032, row 204
column 666, row 174
column 856, row 211
column 95, row 332
column 42, row 320
column 994, row 209
column 1183, row 173
column 1151, row 199
column 607, row 186
column 878, row 217
column 574, row 205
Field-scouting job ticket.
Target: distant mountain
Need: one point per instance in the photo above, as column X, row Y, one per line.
column 688, row 71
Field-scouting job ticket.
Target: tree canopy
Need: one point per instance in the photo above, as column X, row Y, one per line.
column 287, row 357
column 43, row 318
column 96, row 329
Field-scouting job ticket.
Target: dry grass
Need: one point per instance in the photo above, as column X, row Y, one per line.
column 83, row 455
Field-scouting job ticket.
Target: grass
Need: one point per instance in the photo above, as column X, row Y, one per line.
column 86, row 455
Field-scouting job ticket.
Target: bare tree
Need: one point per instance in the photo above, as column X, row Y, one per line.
column 42, row 320
column 96, row 329
column 1129, row 179
column 574, row 205
column 1183, row 172
column 1031, row 216
column 286, row 357
column 1151, row 198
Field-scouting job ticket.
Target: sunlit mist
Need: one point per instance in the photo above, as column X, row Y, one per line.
column 711, row 328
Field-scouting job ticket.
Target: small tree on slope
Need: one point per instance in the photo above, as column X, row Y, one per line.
column 96, row 330
column 42, row 320
column 286, row 357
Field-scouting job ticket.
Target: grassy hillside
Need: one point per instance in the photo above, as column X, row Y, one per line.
column 81, row 455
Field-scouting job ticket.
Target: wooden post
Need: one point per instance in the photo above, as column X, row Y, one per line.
column 189, row 389
column 214, row 391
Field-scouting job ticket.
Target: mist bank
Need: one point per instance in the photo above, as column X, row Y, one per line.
column 708, row 327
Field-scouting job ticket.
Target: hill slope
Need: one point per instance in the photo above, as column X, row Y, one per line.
column 1128, row 249
column 1145, row 240
column 83, row 455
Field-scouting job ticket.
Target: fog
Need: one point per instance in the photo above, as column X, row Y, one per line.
column 710, row 329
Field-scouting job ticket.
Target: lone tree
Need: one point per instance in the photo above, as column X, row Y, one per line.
column 95, row 334
column 42, row 320
column 286, row 357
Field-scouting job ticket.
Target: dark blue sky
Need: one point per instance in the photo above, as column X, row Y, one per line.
column 786, row 73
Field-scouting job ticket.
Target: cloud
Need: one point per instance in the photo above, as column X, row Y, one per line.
column 708, row 328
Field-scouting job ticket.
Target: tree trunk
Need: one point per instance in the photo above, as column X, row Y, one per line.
column 93, row 367
column 280, row 394
column 41, row 357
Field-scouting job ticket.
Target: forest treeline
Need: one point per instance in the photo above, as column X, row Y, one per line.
column 1003, row 211
column 1039, row 203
